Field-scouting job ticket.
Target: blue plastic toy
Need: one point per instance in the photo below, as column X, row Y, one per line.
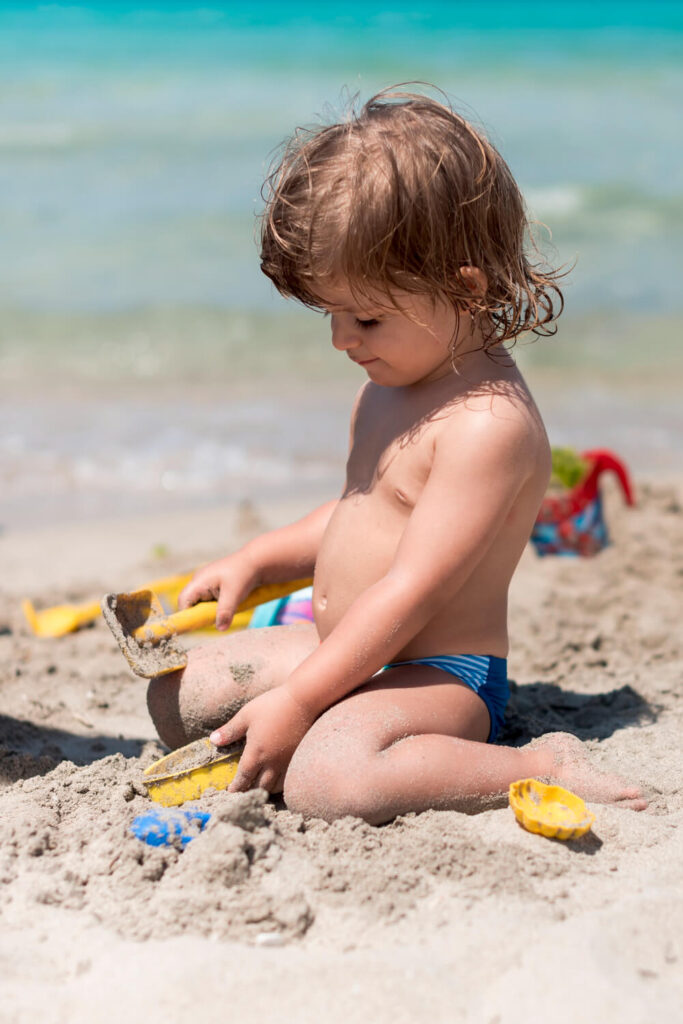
column 165, row 826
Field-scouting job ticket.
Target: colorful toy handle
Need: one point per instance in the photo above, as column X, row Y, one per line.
column 558, row 507
column 605, row 461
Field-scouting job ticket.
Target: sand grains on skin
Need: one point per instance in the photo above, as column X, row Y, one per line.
column 570, row 765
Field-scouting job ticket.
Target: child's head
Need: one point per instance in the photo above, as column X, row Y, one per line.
column 398, row 199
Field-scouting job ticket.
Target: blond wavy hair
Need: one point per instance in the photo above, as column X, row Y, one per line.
column 399, row 197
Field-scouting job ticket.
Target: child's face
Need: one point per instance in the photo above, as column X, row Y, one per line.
column 394, row 348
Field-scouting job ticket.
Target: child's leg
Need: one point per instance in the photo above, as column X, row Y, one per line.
column 221, row 677
column 412, row 739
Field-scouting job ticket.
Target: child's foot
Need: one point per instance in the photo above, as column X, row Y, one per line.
column 564, row 759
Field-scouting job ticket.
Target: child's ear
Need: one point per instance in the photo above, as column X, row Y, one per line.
column 475, row 280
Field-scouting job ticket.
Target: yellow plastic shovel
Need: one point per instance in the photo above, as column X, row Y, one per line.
column 66, row 618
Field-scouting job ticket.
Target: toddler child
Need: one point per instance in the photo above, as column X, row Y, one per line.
column 406, row 227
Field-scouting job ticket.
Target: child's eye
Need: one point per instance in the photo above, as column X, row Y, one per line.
column 364, row 324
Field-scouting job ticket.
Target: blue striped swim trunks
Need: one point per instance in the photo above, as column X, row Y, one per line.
column 485, row 674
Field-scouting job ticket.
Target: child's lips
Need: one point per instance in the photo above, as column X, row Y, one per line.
column 365, row 362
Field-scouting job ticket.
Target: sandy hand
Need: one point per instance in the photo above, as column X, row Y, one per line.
column 228, row 581
column 273, row 724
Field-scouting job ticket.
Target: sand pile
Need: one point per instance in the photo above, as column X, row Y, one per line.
column 258, row 871
column 66, row 841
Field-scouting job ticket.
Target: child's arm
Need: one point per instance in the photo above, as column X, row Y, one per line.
column 476, row 475
column 275, row 557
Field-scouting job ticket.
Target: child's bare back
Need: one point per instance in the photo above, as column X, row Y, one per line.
column 407, row 228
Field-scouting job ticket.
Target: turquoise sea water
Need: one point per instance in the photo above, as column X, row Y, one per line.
column 133, row 142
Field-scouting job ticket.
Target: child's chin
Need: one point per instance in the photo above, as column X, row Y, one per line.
column 382, row 374
column 390, row 378
column 373, row 370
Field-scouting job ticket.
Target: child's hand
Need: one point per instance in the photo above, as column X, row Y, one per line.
column 227, row 581
column 274, row 724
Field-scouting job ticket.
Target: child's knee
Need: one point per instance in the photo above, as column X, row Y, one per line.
column 163, row 704
column 182, row 712
column 192, row 702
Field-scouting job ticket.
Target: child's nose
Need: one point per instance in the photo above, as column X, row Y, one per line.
column 344, row 335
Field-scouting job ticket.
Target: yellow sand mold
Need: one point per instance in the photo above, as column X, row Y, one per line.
column 189, row 771
column 549, row 810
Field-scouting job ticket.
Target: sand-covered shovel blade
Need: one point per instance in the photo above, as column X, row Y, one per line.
column 147, row 636
column 144, row 633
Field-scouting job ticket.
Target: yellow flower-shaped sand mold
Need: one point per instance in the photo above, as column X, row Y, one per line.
column 549, row 810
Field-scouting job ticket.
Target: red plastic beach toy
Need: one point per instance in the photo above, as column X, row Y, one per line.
column 572, row 522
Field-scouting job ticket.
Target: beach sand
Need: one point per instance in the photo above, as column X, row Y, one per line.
column 437, row 917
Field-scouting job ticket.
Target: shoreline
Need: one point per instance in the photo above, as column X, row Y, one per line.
column 75, row 454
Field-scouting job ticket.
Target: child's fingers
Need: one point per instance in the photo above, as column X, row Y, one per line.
column 210, row 590
column 250, row 765
column 189, row 594
column 225, row 609
column 268, row 780
column 231, row 732
column 248, row 771
column 195, row 591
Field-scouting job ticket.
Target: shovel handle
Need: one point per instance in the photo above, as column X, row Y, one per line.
column 204, row 614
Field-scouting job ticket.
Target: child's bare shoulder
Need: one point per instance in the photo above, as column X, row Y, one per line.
column 495, row 421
